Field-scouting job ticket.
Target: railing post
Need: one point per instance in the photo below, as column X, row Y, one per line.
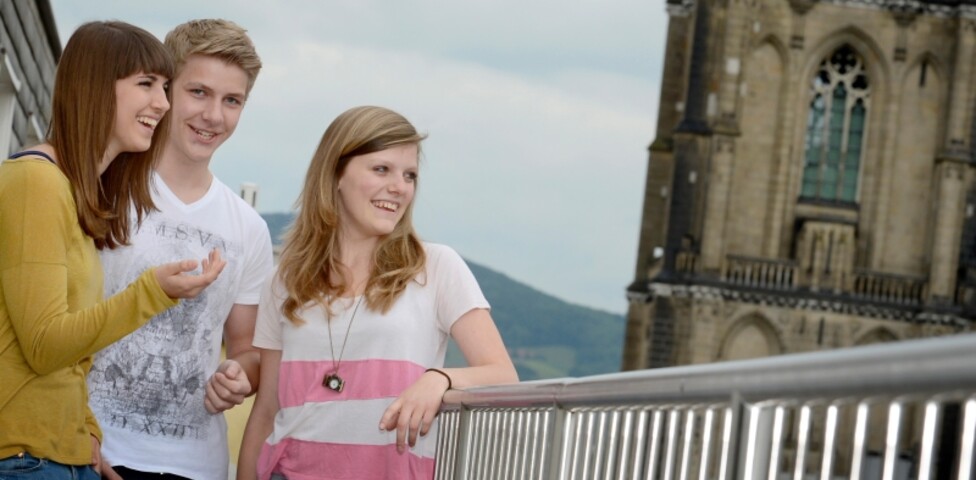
column 465, row 444
column 562, row 444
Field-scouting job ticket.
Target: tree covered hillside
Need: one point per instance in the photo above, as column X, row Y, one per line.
column 547, row 337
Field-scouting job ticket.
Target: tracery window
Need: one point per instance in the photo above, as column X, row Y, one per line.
column 840, row 98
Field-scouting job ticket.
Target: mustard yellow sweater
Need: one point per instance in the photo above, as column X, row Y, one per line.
column 53, row 316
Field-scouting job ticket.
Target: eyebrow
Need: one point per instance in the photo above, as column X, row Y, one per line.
column 203, row 86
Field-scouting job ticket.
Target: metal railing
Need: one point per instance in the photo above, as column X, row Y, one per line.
column 892, row 411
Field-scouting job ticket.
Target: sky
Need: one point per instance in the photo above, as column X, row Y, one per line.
column 538, row 115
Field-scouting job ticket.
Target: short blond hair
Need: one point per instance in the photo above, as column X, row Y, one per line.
column 215, row 37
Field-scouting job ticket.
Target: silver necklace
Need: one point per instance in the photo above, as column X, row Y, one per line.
column 332, row 380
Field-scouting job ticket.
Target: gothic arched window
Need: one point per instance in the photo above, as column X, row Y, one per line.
column 835, row 128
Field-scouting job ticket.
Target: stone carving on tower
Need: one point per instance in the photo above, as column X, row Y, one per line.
column 811, row 183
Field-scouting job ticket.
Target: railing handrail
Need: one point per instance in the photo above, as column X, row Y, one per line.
column 847, row 413
column 908, row 366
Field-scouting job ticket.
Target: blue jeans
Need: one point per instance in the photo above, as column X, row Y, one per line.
column 27, row 466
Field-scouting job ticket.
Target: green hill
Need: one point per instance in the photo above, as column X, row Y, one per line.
column 547, row 337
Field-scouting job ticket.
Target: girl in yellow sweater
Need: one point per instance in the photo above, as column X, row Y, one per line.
column 59, row 203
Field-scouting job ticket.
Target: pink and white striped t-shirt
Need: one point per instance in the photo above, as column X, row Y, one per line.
column 322, row 434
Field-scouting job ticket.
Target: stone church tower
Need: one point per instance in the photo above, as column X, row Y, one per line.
column 812, row 182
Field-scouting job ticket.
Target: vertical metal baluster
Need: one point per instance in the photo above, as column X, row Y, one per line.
column 626, row 444
column 706, row 450
column 613, row 439
column 633, row 468
column 511, row 439
column 601, row 444
column 891, row 440
column 494, row 441
column 441, row 460
column 456, row 451
column 518, row 442
column 653, row 452
column 776, row 442
column 543, row 449
column 516, row 423
column 860, row 439
column 726, row 460
column 502, row 438
column 830, row 434
column 802, row 442
column 591, row 419
column 455, row 444
column 929, row 431
column 576, row 459
column 491, row 463
column 523, row 447
column 505, row 438
column 476, row 430
column 749, row 466
column 967, row 441
column 491, row 445
column 671, row 447
column 687, row 440
column 451, row 425
column 567, row 464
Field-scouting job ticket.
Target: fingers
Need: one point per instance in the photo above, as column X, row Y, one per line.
column 213, row 401
column 96, row 453
column 213, row 265
column 409, row 423
column 224, row 392
column 390, row 416
column 232, row 369
column 108, row 472
column 175, row 281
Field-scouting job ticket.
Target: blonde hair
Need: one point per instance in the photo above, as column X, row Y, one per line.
column 308, row 269
column 82, row 119
column 218, row 38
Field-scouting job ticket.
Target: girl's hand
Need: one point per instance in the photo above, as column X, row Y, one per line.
column 414, row 410
column 174, row 282
column 99, row 464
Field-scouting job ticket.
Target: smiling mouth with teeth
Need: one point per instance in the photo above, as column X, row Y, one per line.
column 389, row 206
column 149, row 122
column 206, row 135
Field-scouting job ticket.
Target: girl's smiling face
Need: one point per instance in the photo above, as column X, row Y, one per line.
column 375, row 190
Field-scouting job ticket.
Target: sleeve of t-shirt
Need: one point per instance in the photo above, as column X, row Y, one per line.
column 457, row 290
column 270, row 321
column 258, row 263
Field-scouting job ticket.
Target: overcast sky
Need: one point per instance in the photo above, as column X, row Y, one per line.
column 539, row 114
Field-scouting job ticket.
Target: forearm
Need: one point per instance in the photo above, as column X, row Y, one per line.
column 493, row 374
column 51, row 337
column 259, row 427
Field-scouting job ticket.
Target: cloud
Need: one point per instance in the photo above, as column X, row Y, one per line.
column 539, row 115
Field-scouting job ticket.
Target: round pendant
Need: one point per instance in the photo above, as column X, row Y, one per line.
column 334, row 382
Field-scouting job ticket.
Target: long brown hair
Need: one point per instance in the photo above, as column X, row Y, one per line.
column 308, row 269
column 83, row 116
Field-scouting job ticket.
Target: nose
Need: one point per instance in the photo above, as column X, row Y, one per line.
column 397, row 185
column 159, row 101
column 211, row 112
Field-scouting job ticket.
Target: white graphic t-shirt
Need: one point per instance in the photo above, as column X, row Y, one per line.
column 147, row 390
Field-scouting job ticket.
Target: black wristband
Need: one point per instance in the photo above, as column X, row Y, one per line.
column 448, row 377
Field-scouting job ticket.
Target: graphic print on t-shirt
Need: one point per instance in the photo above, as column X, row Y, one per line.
column 153, row 381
